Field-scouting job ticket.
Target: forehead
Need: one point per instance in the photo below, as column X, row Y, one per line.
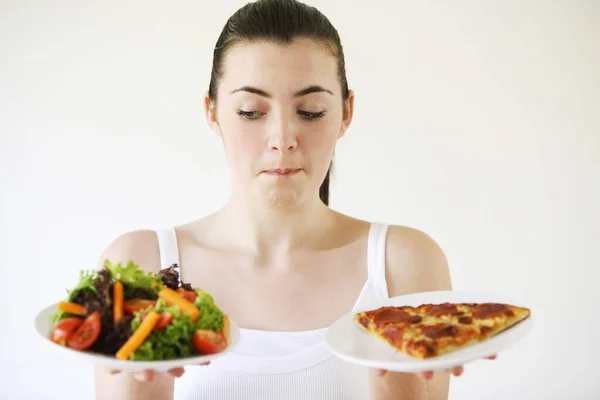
column 280, row 68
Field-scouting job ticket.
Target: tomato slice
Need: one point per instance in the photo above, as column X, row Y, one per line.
column 208, row 342
column 189, row 295
column 165, row 319
column 87, row 333
column 133, row 305
column 64, row 329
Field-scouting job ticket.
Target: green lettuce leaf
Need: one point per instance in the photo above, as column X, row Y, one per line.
column 133, row 277
column 174, row 341
column 211, row 316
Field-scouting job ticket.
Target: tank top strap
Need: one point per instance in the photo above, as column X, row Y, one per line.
column 168, row 249
column 376, row 259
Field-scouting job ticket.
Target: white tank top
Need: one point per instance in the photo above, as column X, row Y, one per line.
column 269, row 365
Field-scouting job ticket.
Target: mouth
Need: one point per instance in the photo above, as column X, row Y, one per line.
column 283, row 171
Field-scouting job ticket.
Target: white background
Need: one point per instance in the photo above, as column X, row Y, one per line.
column 477, row 122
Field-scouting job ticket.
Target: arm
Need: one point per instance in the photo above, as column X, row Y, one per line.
column 415, row 263
column 142, row 248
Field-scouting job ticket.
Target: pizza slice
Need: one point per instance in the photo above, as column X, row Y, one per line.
column 431, row 330
column 396, row 326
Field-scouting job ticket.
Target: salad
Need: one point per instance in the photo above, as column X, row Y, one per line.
column 132, row 314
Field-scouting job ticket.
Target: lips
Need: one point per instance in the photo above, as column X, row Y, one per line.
column 283, row 171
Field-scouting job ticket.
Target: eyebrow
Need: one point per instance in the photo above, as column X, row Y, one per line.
column 303, row 92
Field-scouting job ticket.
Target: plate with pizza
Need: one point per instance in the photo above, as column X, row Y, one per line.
column 429, row 331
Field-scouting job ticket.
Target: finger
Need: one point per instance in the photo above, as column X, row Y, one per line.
column 176, row 372
column 380, row 372
column 492, row 357
column 457, row 371
column 144, row 376
column 426, row 375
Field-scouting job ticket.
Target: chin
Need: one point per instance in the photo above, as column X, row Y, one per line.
column 284, row 198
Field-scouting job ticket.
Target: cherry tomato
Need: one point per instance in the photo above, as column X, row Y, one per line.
column 190, row 296
column 208, row 342
column 133, row 305
column 165, row 319
column 87, row 333
column 64, row 329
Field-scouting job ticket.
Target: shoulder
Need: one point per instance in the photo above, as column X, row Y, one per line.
column 139, row 246
column 415, row 262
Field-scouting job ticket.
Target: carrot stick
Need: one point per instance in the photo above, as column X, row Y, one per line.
column 117, row 301
column 225, row 330
column 138, row 337
column 173, row 298
column 71, row 308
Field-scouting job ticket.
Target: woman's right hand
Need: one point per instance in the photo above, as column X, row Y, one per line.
column 148, row 375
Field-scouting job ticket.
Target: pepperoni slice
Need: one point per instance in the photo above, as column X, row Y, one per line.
column 388, row 315
column 393, row 334
column 439, row 331
column 442, row 309
column 364, row 322
column 492, row 310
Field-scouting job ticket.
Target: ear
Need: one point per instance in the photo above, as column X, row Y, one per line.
column 210, row 110
column 348, row 113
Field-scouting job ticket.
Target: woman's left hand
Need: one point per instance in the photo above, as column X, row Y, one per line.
column 427, row 375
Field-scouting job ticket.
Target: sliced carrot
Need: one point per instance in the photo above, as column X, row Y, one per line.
column 225, row 330
column 138, row 337
column 71, row 308
column 117, row 301
column 173, row 298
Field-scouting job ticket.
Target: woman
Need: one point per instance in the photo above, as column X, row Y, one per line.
column 276, row 257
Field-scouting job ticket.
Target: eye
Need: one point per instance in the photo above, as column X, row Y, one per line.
column 249, row 115
column 311, row 115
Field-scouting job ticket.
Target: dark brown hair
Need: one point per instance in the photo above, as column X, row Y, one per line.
column 279, row 21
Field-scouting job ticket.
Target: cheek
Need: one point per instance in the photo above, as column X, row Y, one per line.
column 320, row 142
column 243, row 151
column 243, row 148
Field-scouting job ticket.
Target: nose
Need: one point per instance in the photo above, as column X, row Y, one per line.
column 282, row 135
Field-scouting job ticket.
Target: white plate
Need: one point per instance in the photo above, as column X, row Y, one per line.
column 43, row 326
column 350, row 343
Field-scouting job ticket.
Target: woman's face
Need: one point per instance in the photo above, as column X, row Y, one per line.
column 280, row 112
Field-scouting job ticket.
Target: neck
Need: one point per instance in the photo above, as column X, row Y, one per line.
column 268, row 229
